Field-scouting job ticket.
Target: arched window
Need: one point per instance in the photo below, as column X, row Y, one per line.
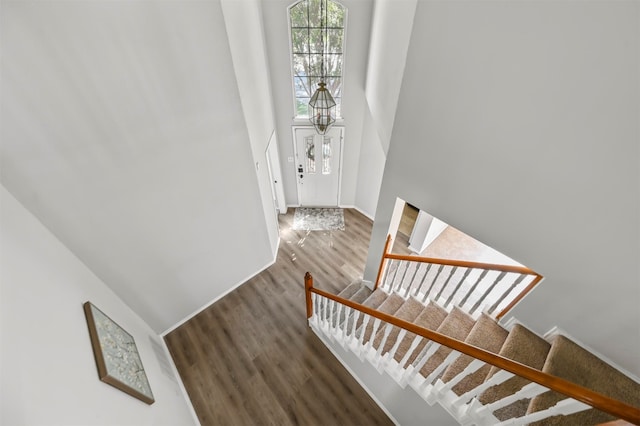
column 307, row 39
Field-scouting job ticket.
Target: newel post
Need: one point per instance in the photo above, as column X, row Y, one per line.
column 308, row 285
column 382, row 261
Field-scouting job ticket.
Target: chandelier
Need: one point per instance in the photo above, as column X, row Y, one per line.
column 322, row 106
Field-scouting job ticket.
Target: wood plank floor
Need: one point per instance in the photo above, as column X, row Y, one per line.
column 250, row 358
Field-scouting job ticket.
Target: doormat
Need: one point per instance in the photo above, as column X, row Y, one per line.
column 316, row 219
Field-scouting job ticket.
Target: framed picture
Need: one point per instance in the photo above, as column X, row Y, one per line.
column 116, row 355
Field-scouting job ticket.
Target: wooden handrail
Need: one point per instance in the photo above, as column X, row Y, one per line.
column 603, row 403
column 463, row 263
column 520, row 296
column 384, row 254
column 466, row 264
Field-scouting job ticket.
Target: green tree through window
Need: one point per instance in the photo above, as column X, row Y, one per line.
column 307, row 36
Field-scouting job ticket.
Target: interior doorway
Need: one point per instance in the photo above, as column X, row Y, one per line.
column 318, row 166
column 275, row 175
column 415, row 232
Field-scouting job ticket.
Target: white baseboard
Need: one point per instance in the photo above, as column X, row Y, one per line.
column 369, row 284
column 359, row 210
column 178, row 378
column 220, row 296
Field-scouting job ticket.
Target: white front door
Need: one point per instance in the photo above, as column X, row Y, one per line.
column 318, row 166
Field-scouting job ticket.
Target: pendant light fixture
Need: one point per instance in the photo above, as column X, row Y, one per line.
column 322, row 106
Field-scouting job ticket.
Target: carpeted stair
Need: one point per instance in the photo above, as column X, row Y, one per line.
column 562, row 358
column 431, row 317
column 571, row 362
column 409, row 311
column 457, row 325
column 486, row 334
column 391, row 304
column 525, row 347
column 352, row 289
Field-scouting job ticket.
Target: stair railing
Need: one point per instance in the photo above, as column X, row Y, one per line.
column 586, row 396
column 473, row 286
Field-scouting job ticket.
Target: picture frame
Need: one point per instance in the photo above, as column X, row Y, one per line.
column 116, row 355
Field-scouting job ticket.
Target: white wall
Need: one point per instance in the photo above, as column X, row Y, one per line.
column 404, row 406
column 123, row 132
column 390, row 35
column 48, row 375
column 518, row 124
column 244, row 25
column 370, row 167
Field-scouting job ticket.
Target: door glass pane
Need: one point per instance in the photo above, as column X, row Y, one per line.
column 310, row 154
column 326, row 156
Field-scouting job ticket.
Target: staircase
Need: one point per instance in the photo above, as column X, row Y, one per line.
column 434, row 325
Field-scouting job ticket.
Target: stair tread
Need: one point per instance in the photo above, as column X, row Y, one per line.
column 390, row 305
column 486, row 334
column 457, row 325
column 570, row 361
column 361, row 295
column 374, row 300
column 409, row 311
column 351, row 289
column 525, row 347
column 356, row 292
column 431, row 317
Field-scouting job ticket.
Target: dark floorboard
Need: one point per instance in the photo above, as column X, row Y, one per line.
column 250, row 358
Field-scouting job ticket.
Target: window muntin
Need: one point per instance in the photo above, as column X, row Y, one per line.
column 306, row 51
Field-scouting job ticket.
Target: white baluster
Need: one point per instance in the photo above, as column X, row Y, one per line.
column 433, row 282
column 528, row 391
column 345, row 323
column 419, row 362
column 487, row 293
column 459, row 404
column 410, row 284
column 396, row 369
column 314, row 317
column 562, row 408
column 412, row 347
column 506, row 293
column 376, row 325
column 378, row 356
column 362, row 328
column 336, row 324
column 318, row 309
column 392, row 352
column 424, row 277
column 446, row 283
column 332, row 314
column 425, row 386
column 442, row 388
column 356, row 318
column 473, row 287
column 451, row 298
column 404, row 274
